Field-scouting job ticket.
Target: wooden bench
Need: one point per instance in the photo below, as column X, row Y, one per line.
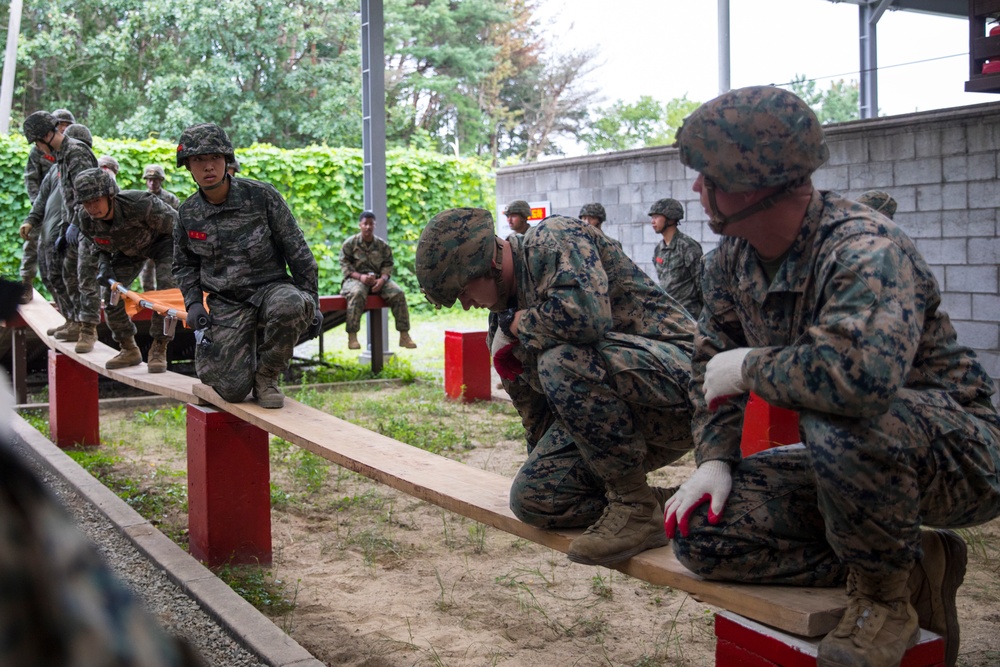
column 477, row 494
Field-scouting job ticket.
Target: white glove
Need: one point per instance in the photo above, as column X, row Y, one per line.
column 508, row 366
column 711, row 482
column 724, row 377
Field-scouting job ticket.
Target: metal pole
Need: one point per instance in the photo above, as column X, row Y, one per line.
column 373, row 146
column 868, row 17
column 9, row 65
column 724, row 47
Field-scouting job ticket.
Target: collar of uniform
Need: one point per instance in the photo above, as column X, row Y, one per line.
column 233, row 199
column 795, row 273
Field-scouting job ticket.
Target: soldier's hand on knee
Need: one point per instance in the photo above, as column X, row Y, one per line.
column 710, row 483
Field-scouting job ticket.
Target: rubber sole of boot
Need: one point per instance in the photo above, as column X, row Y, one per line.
column 657, row 539
column 957, row 559
column 118, row 361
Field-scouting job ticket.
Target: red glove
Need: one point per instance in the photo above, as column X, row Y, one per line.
column 507, row 365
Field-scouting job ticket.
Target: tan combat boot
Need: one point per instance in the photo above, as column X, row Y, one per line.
column 70, row 334
column 87, row 339
column 265, row 390
column 933, row 586
column 129, row 356
column 352, row 341
column 406, row 341
column 878, row 627
column 632, row 522
column 29, row 291
column 156, row 360
column 54, row 330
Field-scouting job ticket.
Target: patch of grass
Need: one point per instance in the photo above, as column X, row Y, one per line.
column 601, row 586
column 97, row 461
column 477, row 537
column 334, row 367
column 38, row 420
column 260, row 587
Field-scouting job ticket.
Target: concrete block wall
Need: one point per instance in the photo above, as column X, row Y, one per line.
column 940, row 166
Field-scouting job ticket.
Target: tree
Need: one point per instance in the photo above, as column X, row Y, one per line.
column 647, row 122
column 837, row 104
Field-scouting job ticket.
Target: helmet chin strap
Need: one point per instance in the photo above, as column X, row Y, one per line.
column 503, row 295
column 209, row 188
column 718, row 221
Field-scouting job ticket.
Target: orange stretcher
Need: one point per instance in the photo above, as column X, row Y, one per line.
column 169, row 303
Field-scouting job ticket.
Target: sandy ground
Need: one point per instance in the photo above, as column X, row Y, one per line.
column 385, row 580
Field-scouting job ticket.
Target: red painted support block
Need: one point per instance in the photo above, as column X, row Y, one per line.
column 741, row 642
column 766, row 426
column 74, row 418
column 467, row 366
column 229, row 492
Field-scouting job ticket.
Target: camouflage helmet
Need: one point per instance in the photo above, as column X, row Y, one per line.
column 593, row 210
column 108, row 162
column 753, row 138
column 671, row 209
column 234, row 164
column 80, row 133
column 153, row 171
column 204, row 139
column 456, row 247
column 518, row 207
column 38, row 125
column 880, row 201
column 93, row 184
column 64, row 116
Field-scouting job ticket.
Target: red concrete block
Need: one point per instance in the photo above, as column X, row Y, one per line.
column 766, row 426
column 467, row 366
column 741, row 642
column 74, row 418
column 229, row 492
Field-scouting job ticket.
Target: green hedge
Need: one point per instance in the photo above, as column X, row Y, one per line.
column 323, row 186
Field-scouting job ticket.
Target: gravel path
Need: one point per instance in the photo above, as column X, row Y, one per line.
column 177, row 612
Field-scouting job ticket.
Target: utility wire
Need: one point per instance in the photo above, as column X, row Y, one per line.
column 880, row 67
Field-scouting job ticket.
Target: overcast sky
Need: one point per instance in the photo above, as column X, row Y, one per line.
column 669, row 48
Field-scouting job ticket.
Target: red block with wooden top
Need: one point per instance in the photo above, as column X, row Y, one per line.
column 467, row 366
column 74, row 418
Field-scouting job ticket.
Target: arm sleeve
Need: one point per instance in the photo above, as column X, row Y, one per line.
column 162, row 218
column 385, row 269
column 292, row 242
column 346, row 260
column 859, row 347
column 186, row 267
column 37, row 212
column 575, row 306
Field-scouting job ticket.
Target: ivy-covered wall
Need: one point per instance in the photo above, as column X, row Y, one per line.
column 323, row 186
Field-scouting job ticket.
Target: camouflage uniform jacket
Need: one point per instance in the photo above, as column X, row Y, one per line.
column 577, row 287
column 44, row 215
column 139, row 219
column 851, row 317
column 168, row 198
column 678, row 267
column 374, row 257
column 35, row 168
column 234, row 248
column 72, row 157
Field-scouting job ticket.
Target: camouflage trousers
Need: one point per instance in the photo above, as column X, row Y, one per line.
column 150, row 277
column 247, row 337
column 80, row 276
column 854, row 494
column 29, row 256
column 620, row 406
column 126, row 270
column 356, row 292
column 50, row 267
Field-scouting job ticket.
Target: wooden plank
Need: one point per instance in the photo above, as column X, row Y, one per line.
column 483, row 496
column 41, row 316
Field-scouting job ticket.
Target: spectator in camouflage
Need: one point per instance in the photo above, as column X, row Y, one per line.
column 366, row 262
column 595, row 358
column 234, row 239
column 819, row 305
column 154, row 176
column 127, row 227
column 518, row 212
column 677, row 257
column 45, row 217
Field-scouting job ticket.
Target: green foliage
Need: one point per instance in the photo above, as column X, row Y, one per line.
column 323, row 186
column 837, row 104
column 647, row 122
column 260, row 587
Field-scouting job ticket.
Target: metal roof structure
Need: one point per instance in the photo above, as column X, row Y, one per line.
column 953, row 8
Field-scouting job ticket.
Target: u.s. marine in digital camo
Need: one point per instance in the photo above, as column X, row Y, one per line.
column 820, row 305
column 595, row 358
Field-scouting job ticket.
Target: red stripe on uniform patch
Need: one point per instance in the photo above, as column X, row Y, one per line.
column 197, row 236
column 102, row 241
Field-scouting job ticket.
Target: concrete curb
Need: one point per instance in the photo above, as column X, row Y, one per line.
column 239, row 618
